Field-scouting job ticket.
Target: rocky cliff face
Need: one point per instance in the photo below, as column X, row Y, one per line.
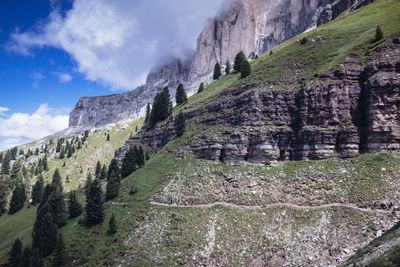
column 253, row 26
column 348, row 111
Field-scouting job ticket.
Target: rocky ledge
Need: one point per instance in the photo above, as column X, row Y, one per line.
column 342, row 113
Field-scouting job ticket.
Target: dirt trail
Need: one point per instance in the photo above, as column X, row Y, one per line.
column 231, row 205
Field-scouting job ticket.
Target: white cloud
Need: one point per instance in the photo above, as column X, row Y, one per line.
column 3, row 110
column 63, row 77
column 21, row 128
column 117, row 42
column 37, row 76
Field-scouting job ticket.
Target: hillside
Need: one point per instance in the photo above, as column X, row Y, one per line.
column 280, row 168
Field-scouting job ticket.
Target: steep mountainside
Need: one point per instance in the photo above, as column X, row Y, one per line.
column 253, row 26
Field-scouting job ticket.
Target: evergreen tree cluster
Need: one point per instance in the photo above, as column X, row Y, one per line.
column 134, row 159
column 161, row 108
column 179, row 124
column 18, row 199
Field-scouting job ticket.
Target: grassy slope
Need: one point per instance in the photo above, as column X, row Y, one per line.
column 93, row 246
column 20, row 224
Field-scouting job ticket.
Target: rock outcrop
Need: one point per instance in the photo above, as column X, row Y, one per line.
column 252, row 26
column 345, row 112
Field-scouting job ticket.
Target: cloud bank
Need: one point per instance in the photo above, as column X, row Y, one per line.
column 117, row 42
column 22, row 128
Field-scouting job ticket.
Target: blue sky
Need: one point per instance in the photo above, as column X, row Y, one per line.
column 53, row 52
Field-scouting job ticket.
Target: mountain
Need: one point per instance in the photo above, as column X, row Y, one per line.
column 252, row 26
column 281, row 168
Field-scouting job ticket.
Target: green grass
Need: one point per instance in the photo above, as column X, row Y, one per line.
column 15, row 226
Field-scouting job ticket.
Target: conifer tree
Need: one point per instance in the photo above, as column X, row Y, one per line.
column 179, row 124
column 59, row 210
column 44, row 162
column 74, row 207
column 140, row 158
column 13, row 153
column 56, row 181
column 59, row 257
column 62, row 153
column 44, row 234
column 88, row 183
column 36, row 259
column 246, row 70
column 16, row 254
column 217, row 71
column 26, row 258
column 162, row 107
column 1, row 156
column 228, row 67
column 94, row 204
column 103, row 173
column 18, row 199
column 113, row 168
column 201, row 88
column 239, row 59
column 16, row 167
column 148, row 110
column 4, row 191
column 129, row 162
column 5, row 166
column 37, row 191
column 180, row 96
column 37, row 151
column 112, row 225
column 108, row 137
column 147, row 154
column 378, row 34
column 98, row 170
column 113, row 185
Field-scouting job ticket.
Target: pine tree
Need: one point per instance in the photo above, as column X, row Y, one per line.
column 1, row 156
column 62, row 153
column 112, row 189
column 79, row 145
column 4, row 191
column 44, row 234
column 88, row 183
column 148, row 111
column 201, row 88
column 98, row 170
column 56, row 181
column 112, row 225
column 94, row 204
column 18, row 199
column 179, row 124
column 378, row 34
column 13, row 153
column 5, row 166
column 26, row 258
column 74, row 207
column 108, row 137
column 103, row 173
column 239, row 59
column 16, row 254
column 36, row 259
column 180, row 96
column 140, row 158
column 228, row 67
column 44, row 163
column 129, row 162
column 59, row 210
column 217, row 71
column 147, row 154
column 37, row 191
column 246, row 70
column 59, row 257
column 16, row 167
column 136, row 129
column 113, row 168
column 162, row 107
